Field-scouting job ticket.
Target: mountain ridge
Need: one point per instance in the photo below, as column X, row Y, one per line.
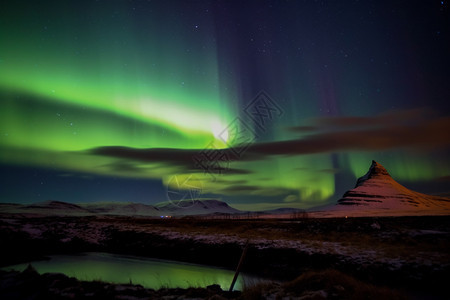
column 377, row 189
column 184, row 208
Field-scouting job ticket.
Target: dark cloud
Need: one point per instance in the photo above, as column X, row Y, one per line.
column 179, row 156
column 417, row 134
column 226, row 170
column 237, row 182
column 122, row 167
column 303, row 128
column 188, row 160
column 412, row 116
column 413, row 129
column 187, row 157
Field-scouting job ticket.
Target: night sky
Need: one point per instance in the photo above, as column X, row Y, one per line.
column 262, row 104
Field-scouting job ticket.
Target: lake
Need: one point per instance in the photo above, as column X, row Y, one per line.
column 148, row 272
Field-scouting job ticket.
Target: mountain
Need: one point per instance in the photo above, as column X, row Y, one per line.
column 196, row 207
column 55, row 205
column 50, row 207
column 121, row 209
column 377, row 190
column 184, row 208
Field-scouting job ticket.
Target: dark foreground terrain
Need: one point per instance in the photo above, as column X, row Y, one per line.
column 329, row 284
column 315, row 258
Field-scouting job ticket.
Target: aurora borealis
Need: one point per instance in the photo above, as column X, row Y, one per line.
column 107, row 100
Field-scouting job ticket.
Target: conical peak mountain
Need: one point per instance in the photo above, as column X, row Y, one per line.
column 376, row 171
column 378, row 190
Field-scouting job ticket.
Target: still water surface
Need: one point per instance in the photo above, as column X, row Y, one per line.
column 148, row 272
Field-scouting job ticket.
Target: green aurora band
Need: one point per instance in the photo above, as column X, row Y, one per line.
column 69, row 86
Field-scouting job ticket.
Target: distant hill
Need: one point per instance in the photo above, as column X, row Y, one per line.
column 50, row 207
column 55, row 205
column 184, row 208
column 196, row 207
column 122, row 209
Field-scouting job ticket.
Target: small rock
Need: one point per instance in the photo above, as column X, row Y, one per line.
column 376, row 226
column 314, row 295
column 214, row 288
column 339, row 288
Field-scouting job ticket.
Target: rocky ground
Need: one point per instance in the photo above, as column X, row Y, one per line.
column 410, row 254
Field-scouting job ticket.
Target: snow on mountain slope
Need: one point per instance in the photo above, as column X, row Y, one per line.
column 52, row 207
column 52, row 204
column 187, row 207
column 378, row 190
column 196, row 207
column 122, row 209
